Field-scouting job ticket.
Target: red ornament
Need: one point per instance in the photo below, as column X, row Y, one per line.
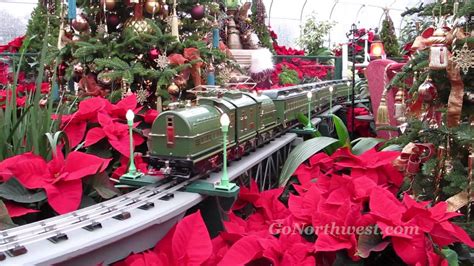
column 113, row 21
column 198, row 12
column 80, row 23
column 427, row 91
column 154, row 53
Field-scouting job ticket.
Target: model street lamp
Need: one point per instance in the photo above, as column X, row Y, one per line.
column 309, row 126
column 133, row 173
column 331, row 89
column 348, row 91
column 225, row 184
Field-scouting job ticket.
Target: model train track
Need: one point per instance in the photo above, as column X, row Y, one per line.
column 55, row 229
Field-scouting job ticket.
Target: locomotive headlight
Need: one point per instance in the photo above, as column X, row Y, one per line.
column 225, row 121
column 348, row 83
column 309, row 95
column 130, row 116
column 331, row 89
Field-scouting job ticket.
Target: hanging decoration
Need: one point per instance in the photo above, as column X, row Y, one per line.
column 174, row 22
column 162, row 62
column 400, row 106
column 138, row 23
column 142, row 95
column 211, row 75
column 464, row 58
column 108, row 4
column 198, row 12
column 80, row 23
column 152, row 7
column 456, row 94
column 215, row 34
column 438, row 57
column 427, row 91
column 71, row 11
column 173, row 89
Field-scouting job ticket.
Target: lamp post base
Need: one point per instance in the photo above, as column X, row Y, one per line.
column 137, row 179
column 209, row 189
column 226, row 187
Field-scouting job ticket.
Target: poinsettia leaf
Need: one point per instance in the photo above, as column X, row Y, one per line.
column 5, row 219
column 451, row 256
column 79, row 165
column 75, row 132
column 342, row 132
column 15, row 191
column 103, row 186
column 16, row 210
column 301, row 153
column 191, row 242
column 370, row 242
column 94, row 135
column 365, row 144
column 65, row 196
column 243, row 251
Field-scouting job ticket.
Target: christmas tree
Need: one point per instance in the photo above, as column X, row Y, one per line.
column 388, row 37
column 156, row 49
column 437, row 84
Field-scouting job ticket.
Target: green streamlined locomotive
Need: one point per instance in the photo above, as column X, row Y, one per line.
column 188, row 140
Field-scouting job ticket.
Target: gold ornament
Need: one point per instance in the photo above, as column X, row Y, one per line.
column 109, row 4
column 152, row 7
column 400, row 107
column 173, row 89
column 103, row 79
column 464, row 58
column 138, row 25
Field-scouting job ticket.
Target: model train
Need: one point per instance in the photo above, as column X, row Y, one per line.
column 188, row 140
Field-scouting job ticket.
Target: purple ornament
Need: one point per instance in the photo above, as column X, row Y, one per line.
column 198, row 12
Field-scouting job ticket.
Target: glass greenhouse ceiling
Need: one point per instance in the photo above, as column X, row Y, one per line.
column 286, row 16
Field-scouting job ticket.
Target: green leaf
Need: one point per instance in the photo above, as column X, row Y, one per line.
column 301, row 153
column 393, row 147
column 101, row 184
column 14, row 191
column 364, row 144
column 370, row 242
column 5, row 219
column 342, row 133
column 451, row 256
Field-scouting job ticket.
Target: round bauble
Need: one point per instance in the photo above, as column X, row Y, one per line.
column 113, row 21
column 427, row 91
column 198, row 12
column 109, row 4
column 154, row 53
column 164, row 11
column 173, row 89
column 138, row 25
column 102, row 79
column 152, row 7
column 80, row 24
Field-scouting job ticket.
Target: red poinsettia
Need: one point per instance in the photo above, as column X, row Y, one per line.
column 61, row 177
column 119, row 110
column 74, row 125
column 187, row 243
column 13, row 46
column 150, row 115
column 116, row 133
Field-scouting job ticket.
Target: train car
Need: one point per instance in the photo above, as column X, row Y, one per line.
column 188, row 140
